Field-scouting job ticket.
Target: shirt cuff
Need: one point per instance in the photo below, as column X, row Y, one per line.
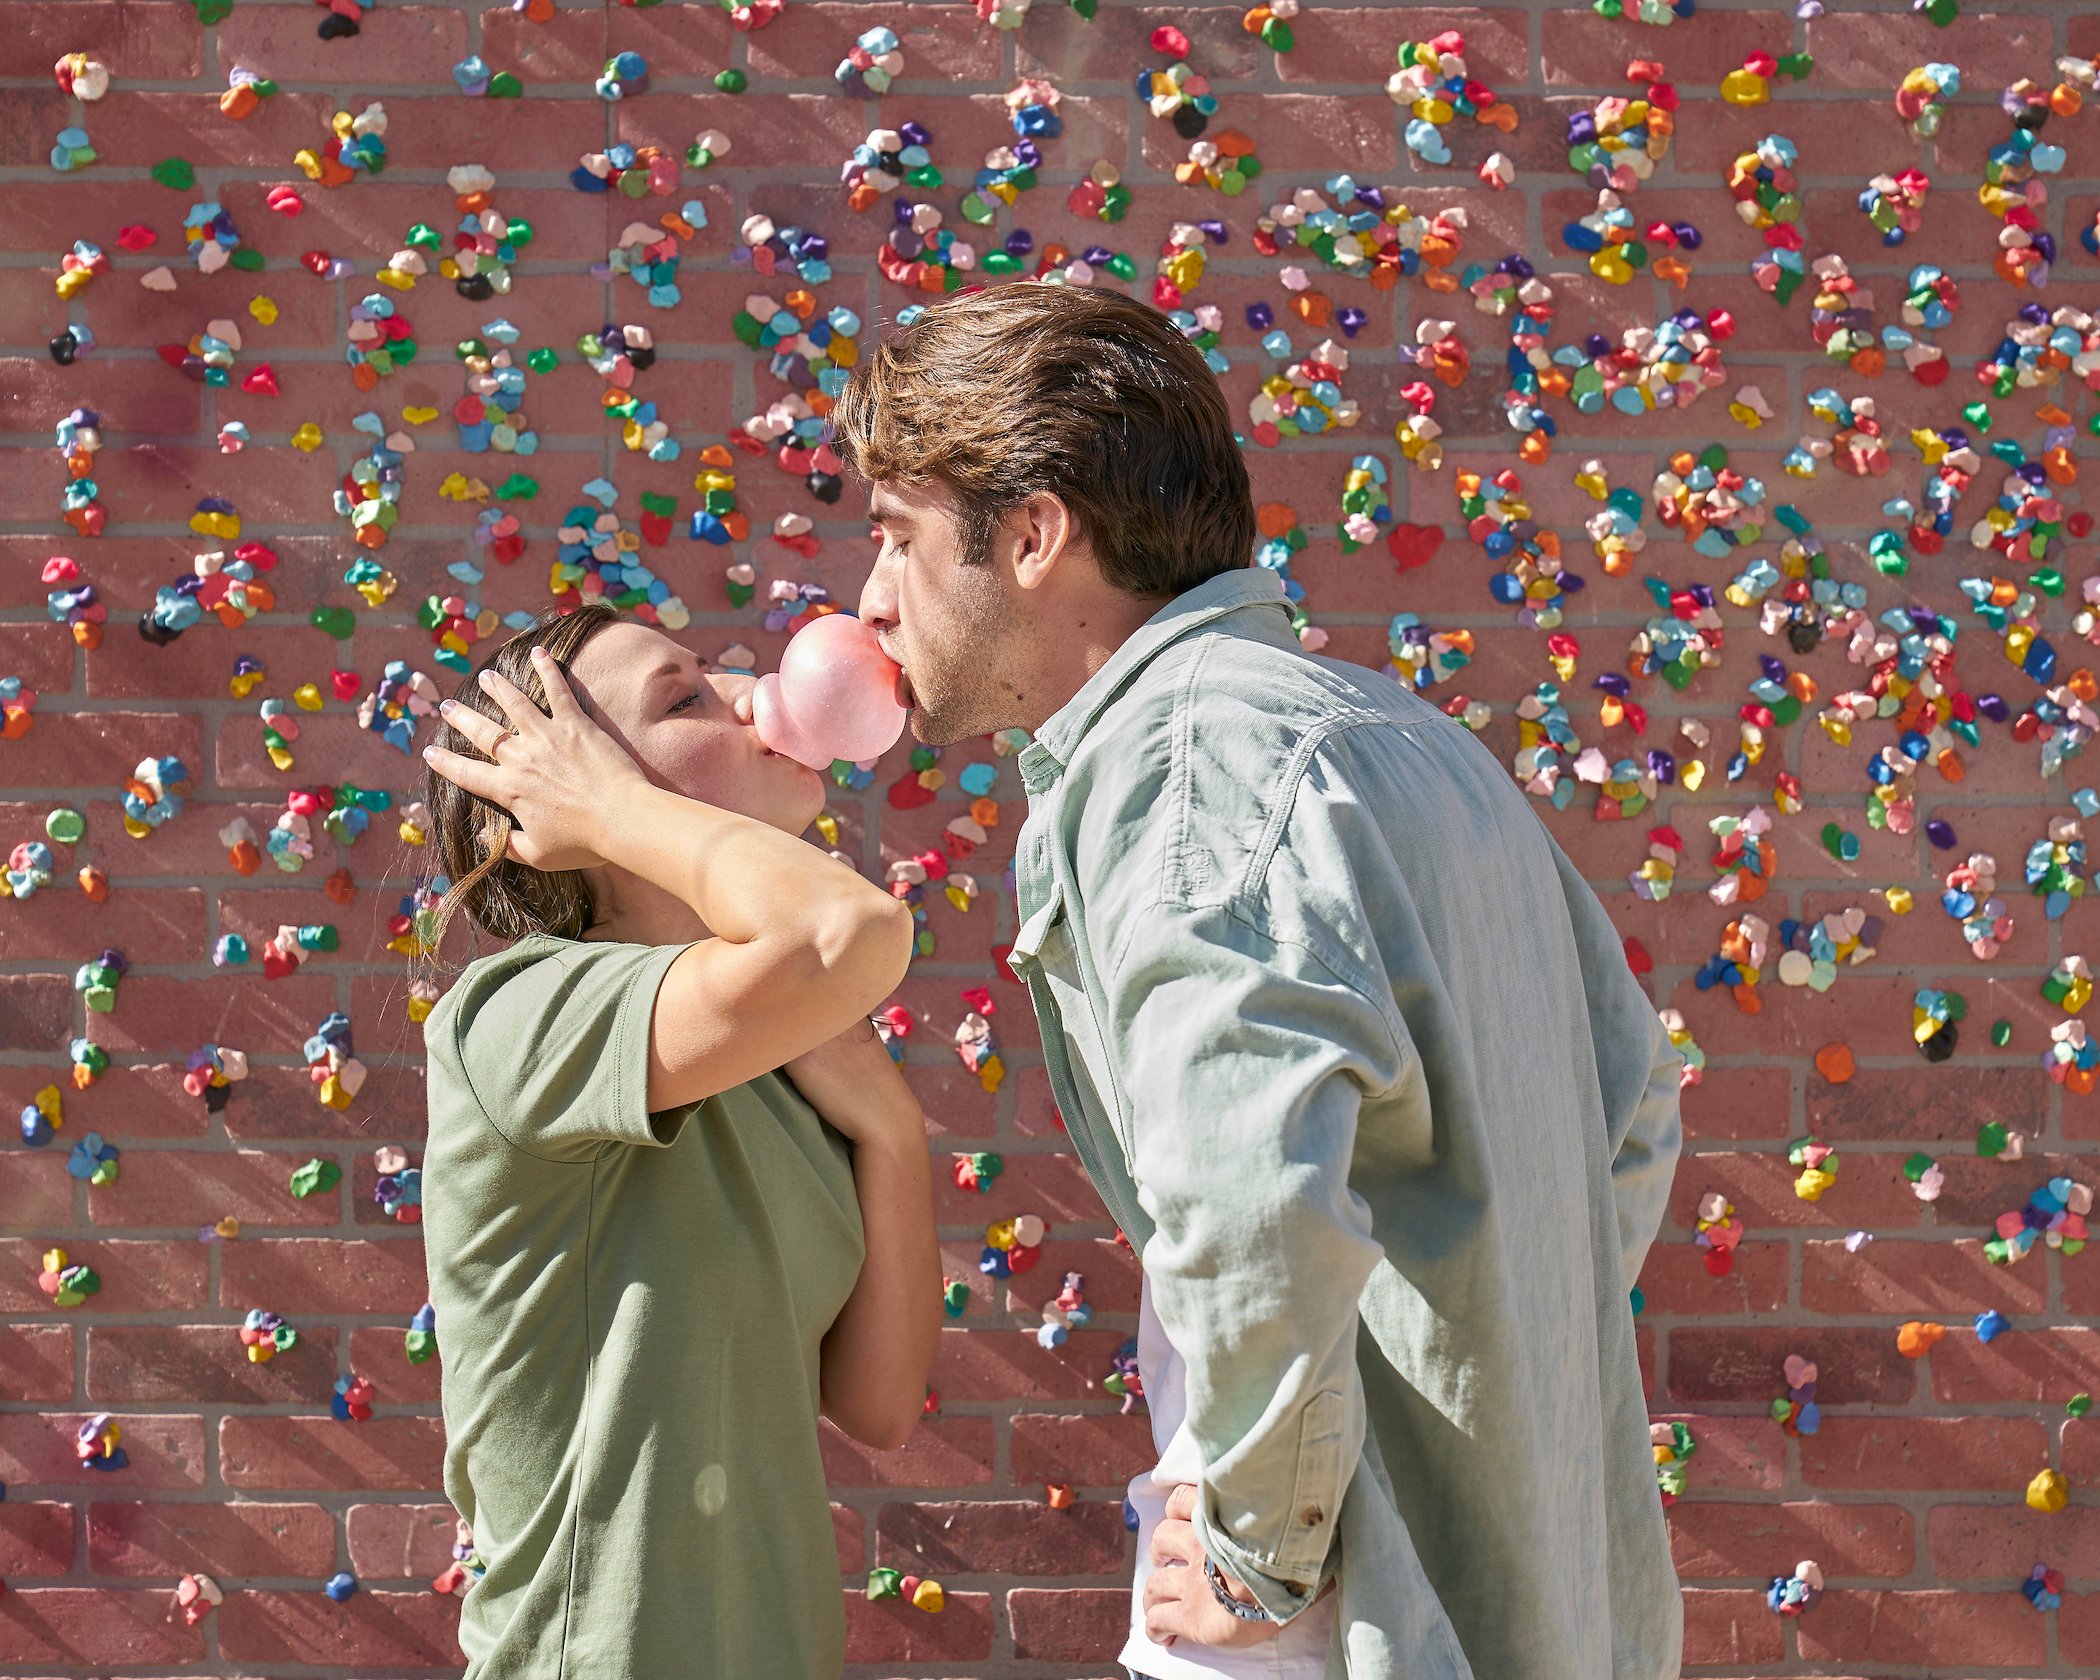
column 1284, row 1600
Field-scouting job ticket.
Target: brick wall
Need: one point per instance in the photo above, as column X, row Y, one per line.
column 1910, row 1496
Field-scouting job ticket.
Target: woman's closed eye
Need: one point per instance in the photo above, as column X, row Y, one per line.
column 692, row 699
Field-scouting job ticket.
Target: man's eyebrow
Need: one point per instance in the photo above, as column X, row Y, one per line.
column 888, row 516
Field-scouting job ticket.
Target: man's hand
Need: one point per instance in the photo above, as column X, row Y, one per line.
column 1179, row 1603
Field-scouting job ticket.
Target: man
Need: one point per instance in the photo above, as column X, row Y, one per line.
column 1351, row 1052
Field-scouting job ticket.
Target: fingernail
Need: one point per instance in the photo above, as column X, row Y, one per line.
column 447, row 707
column 429, row 753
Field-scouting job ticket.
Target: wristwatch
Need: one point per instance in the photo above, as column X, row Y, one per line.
column 1245, row 1612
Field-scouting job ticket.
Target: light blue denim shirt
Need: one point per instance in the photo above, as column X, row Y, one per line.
column 1355, row 1059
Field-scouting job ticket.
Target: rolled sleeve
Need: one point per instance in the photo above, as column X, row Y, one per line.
column 1245, row 1062
column 556, row 1050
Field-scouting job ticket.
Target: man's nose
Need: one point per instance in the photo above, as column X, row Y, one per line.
column 878, row 596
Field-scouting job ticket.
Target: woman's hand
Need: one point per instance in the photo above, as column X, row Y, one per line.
column 851, row 1081
column 556, row 772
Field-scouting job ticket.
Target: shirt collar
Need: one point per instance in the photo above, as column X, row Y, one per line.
column 1228, row 592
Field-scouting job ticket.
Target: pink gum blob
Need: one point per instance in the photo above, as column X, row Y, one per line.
column 834, row 697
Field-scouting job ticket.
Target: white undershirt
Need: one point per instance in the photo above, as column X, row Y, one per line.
column 1299, row 1651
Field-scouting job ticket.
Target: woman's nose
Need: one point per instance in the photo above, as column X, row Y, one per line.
column 741, row 704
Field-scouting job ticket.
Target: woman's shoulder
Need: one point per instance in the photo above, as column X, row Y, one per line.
column 541, row 986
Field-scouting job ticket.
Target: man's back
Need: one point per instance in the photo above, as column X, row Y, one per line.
column 1510, row 1155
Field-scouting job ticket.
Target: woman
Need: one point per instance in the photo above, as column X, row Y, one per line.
column 655, row 1260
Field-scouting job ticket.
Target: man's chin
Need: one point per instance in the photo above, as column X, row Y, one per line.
column 929, row 730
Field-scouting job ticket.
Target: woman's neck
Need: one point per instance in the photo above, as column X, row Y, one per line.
column 631, row 911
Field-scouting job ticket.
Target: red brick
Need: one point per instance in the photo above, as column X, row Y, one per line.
column 190, row 1187
column 568, row 47
column 1053, row 1187
column 1978, row 1190
column 1736, row 1539
column 1314, row 131
column 170, row 1016
column 1110, row 1272
column 35, row 1192
column 1916, row 1280
column 323, row 1275
column 81, row 1626
column 942, row 1452
column 953, row 45
column 34, row 393
column 165, row 1451
column 1071, row 1625
column 394, row 1454
column 1978, row 1542
column 1675, row 1281
column 200, row 1362
column 1999, row 1629
column 395, row 45
column 41, row 655
column 2078, row 1627
column 1926, row 1103
column 1001, row 1537
column 2031, row 1366
column 158, row 1538
column 1870, row 1192
column 891, row 1631
column 382, row 1356
column 36, row 1013
column 36, row 1539
column 1093, row 1450
column 1852, row 49
column 137, row 1277
column 126, row 1105
column 399, row 1542
column 1911, row 1452
column 141, row 39
column 2081, row 1449
column 1738, row 1103
column 36, row 1362
column 1746, row 1364
column 277, row 1104
column 1728, row 1626
column 376, row 1629
column 1347, row 44
column 1734, row 1452
column 987, row 1364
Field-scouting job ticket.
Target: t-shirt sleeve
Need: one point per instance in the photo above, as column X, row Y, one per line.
column 556, row 1051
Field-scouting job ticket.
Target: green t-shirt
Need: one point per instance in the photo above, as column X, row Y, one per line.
column 631, row 1307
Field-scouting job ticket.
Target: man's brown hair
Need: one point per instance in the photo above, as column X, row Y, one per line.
column 1093, row 396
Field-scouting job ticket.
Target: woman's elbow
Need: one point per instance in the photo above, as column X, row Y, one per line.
column 883, row 1425
column 870, row 941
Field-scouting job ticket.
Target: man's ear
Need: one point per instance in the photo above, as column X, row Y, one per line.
column 1046, row 532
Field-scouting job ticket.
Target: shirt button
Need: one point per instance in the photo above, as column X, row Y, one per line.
column 1312, row 1516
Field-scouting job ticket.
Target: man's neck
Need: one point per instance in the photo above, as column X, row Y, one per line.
column 1098, row 630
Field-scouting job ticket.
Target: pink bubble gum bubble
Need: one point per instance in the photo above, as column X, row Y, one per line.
column 835, row 696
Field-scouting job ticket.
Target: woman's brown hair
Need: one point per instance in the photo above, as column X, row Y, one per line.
column 1001, row 393
column 468, row 835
